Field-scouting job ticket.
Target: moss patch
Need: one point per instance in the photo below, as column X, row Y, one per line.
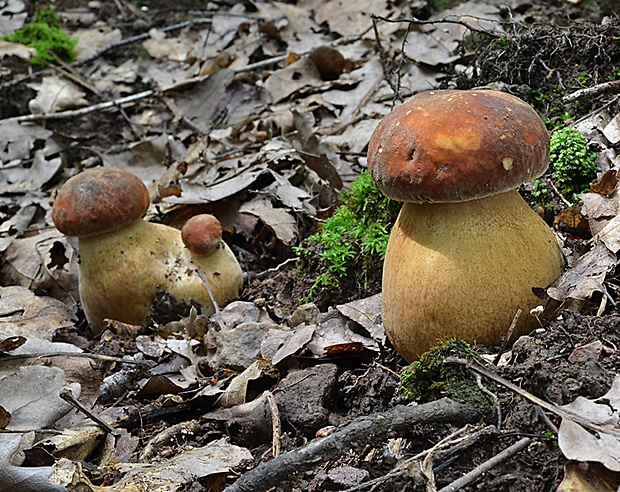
column 430, row 378
column 352, row 242
column 45, row 35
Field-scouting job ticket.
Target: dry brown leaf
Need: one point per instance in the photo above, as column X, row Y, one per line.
column 27, row 315
column 588, row 477
column 578, row 443
column 56, row 94
column 235, row 393
column 278, row 220
column 16, row 49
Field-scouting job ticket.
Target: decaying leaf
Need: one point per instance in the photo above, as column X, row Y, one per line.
column 31, row 396
column 586, row 276
column 588, row 477
column 235, row 393
column 206, row 463
column 16, row 49
column 56, row 94
column 24, row 314
column 578, row 443
column 279, row 220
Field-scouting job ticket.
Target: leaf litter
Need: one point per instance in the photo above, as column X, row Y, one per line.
column 224, row 112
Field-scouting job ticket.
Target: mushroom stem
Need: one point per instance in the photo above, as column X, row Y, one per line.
column 463, row 269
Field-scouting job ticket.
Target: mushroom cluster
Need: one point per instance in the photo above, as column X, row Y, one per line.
column 466, row 250
column 125, row 261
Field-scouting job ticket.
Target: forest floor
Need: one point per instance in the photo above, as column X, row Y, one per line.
column 227, row 108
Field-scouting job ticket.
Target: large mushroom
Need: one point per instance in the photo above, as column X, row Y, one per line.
column 125, row 261
column 466, row 250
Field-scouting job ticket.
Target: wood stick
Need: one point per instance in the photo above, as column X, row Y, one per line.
column 356, row 434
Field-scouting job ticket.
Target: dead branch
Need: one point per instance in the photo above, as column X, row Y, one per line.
column 480, row 470
column 612, row 87
column 82, row 111
column 372, row 428
column 449, row 19
column 555, row 409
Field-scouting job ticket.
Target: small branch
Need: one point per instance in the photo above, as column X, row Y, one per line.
column 449, row 19
column 275, row 423
column 66, row 395
column 166, row 436
column 80, row 112
column 356, row 434
column 559, row 411
column 107, row 358
column 480, row 470
column 140, row 37
column 612, row 87
column 511, row 330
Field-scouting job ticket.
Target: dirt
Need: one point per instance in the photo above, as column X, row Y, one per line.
column 319, row 394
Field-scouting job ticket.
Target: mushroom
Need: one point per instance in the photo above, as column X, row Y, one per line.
column 466, row 249
column 125, row 261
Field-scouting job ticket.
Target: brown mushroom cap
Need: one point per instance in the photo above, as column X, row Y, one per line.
column 451, row 146
column 202, row 234
column 99, row 200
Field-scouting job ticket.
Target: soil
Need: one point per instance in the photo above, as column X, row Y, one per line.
column 320, row 394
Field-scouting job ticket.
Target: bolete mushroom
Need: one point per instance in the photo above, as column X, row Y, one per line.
column 466, row 250
column 126, row 261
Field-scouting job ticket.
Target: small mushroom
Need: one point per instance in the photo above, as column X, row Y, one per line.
column 126, row 261
column 466, row 250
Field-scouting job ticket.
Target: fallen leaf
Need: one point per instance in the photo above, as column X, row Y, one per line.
column 25, row 314
column 17, row 140
column 607, row 184
column 366, row 312
column 202, row 463
column 31, row 396
column 56, row 94
column 278, row 220
column 578, row 443
column 586, row 276
column 13, row 15
column 235, row 393
column 612, row 130
column 15, row 49
column 92, row 40
column 588, row 477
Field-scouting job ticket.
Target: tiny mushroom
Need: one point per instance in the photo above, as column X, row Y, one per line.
column 125, row 261
column 466, row 250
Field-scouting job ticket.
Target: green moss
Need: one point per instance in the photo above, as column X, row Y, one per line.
column 430, row 378
column 44, row 34
column 355, row 236
column 572, row 165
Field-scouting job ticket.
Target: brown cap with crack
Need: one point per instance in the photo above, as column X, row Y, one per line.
column 99, row 200
column 453, row 146
column 202, row 234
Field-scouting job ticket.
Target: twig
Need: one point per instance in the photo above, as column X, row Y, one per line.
column 354, row 435
column 559, row 411
column 275, row 422
column 164, row 437
column 66, row 395
column 69, row 72
column 140, row 37
column 80, row 112
column 480, row 470
column 449, row 19
column 107, row 358
column 559, row 193
column 26, row 431
column 511, row 330
column 596, row 90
